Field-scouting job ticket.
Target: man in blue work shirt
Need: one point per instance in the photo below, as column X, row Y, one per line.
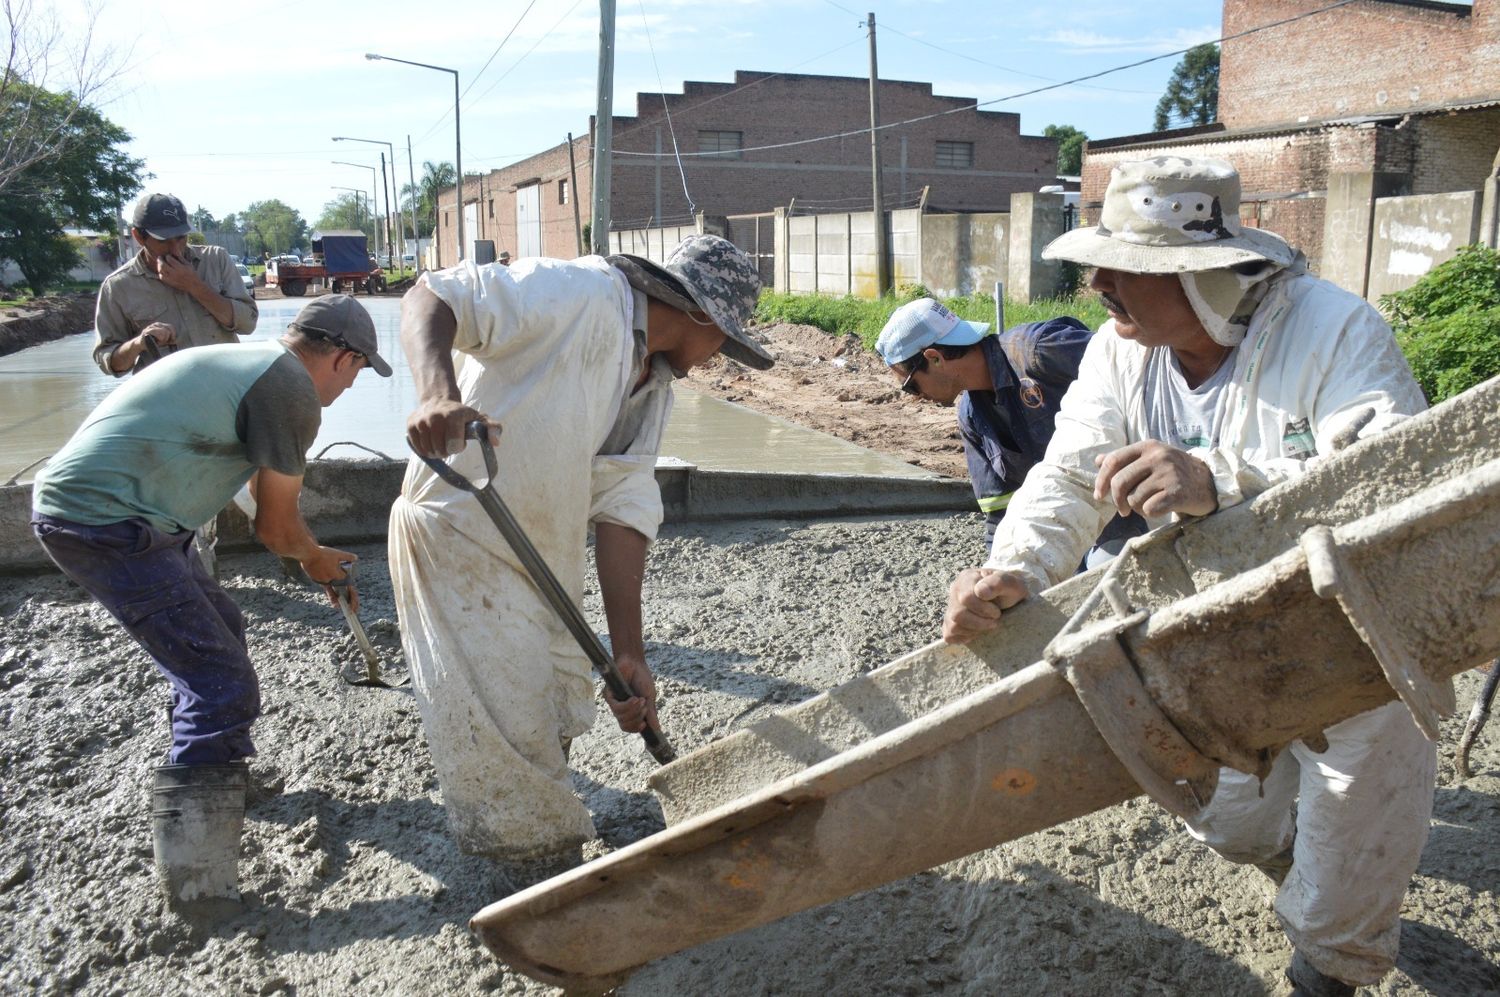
column 1007, row 389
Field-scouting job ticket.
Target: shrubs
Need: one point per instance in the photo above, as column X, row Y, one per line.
column 866, row 317
column 1448, row 323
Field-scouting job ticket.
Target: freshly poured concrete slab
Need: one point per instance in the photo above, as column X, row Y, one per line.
column 47, row 391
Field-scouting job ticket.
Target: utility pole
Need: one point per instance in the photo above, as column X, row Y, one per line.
column 386, row 190
column 577, row 218
column 412, row 174
column 882, row 257
column 604, row 128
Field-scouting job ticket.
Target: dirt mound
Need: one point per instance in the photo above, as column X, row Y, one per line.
column 45, row 319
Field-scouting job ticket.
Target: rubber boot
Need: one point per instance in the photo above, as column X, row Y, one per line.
column 1308, row 981
column 197, row 815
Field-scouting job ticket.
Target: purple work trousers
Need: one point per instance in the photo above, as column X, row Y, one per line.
column 154, row 583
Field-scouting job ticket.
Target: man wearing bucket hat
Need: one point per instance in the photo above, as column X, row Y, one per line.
column 573, row 363
column 1226, row 368
column 116, row 507
column 1006, row 388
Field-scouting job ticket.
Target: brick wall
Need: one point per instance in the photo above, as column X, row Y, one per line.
column 770, row 109
column 1454, row 151
column 1370, row 57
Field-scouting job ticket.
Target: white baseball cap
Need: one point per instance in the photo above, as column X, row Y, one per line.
column 919, row 324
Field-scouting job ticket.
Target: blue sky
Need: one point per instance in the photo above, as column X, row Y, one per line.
column 234, row 103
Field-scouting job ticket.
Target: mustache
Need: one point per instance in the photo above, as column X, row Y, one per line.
column 1113, row 303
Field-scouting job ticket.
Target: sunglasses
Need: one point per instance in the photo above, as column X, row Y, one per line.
column 915, row 364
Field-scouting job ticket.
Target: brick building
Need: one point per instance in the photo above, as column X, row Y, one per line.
column 968, row 159
column 1406, row 89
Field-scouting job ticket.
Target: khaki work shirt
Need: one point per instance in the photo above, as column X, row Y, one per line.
column 133, row 297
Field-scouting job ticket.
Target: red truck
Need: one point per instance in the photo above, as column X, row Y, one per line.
column 339, row 262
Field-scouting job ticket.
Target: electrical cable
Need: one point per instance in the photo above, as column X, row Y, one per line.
column 692, row 207
column 1015, row 96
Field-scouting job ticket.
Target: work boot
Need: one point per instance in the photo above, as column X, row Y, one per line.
column 1307, row 981
column 197, row 815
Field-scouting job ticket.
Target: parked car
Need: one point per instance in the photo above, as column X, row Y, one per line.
column 409, row 261
column 246, row 278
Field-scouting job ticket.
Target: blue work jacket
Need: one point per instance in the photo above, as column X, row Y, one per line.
column 1006, row 431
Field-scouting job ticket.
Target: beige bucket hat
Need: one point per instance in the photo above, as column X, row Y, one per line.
column 1170, row 215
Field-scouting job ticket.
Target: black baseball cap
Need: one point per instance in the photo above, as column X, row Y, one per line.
column 343, row 321
column 160, row 216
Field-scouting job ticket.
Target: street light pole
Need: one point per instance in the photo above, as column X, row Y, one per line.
column 458, row 145
column 395, row 188
column 373, row 189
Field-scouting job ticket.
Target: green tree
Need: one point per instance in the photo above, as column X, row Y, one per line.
column 1069, row 148
column 346, row 211
column 1192, row 95
column 422, row 202
column 38, row 46
column 80, row 183
column 272, row 227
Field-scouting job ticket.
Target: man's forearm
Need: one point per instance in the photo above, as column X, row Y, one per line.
column 216, row 304
column 620, row 553
column 428, row 327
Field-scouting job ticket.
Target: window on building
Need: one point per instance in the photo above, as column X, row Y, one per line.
column 955, row 155
column 562, row 192
column 492, row 207
column 447, row 220
column 726, row 145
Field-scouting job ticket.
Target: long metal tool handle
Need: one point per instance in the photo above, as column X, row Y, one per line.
column 541, row 574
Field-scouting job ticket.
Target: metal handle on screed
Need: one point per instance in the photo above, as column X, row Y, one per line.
column 541, row 574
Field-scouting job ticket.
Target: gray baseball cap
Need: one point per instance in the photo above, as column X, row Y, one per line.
column 160, row 216
column 710, row 274
column 340, row 319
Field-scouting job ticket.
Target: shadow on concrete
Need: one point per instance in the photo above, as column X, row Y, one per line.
column 1444, row 964
column 1030, row 932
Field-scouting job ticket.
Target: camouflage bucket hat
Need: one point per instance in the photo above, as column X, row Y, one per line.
column 1170, row 215
column 710, row 274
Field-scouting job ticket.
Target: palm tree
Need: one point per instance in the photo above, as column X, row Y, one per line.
column 422, row 202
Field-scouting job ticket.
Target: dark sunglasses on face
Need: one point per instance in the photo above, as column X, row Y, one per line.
column 915, row 364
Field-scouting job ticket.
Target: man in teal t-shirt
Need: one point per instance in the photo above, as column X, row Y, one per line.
column 117, row 506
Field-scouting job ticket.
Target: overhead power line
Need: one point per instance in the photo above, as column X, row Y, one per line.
column 970, row 58
column 1016, row 96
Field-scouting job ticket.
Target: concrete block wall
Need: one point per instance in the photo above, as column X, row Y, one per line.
column 962, row 254
column 652, row 243
column 834, row 254
column 1035, row 220
column 1368, row 57
column 1414, row 234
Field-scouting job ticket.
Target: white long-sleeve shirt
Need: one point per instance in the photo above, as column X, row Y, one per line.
column 1314, row 357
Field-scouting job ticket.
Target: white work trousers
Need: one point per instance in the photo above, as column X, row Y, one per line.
column 1364, row 807
column 500, row 685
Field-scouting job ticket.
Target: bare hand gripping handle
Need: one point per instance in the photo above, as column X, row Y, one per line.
column 552, row 590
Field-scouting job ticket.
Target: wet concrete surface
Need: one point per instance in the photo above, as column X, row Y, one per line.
column 354, row 886
column 47, row 391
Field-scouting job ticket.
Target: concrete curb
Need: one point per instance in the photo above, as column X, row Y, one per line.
column 348, row 501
